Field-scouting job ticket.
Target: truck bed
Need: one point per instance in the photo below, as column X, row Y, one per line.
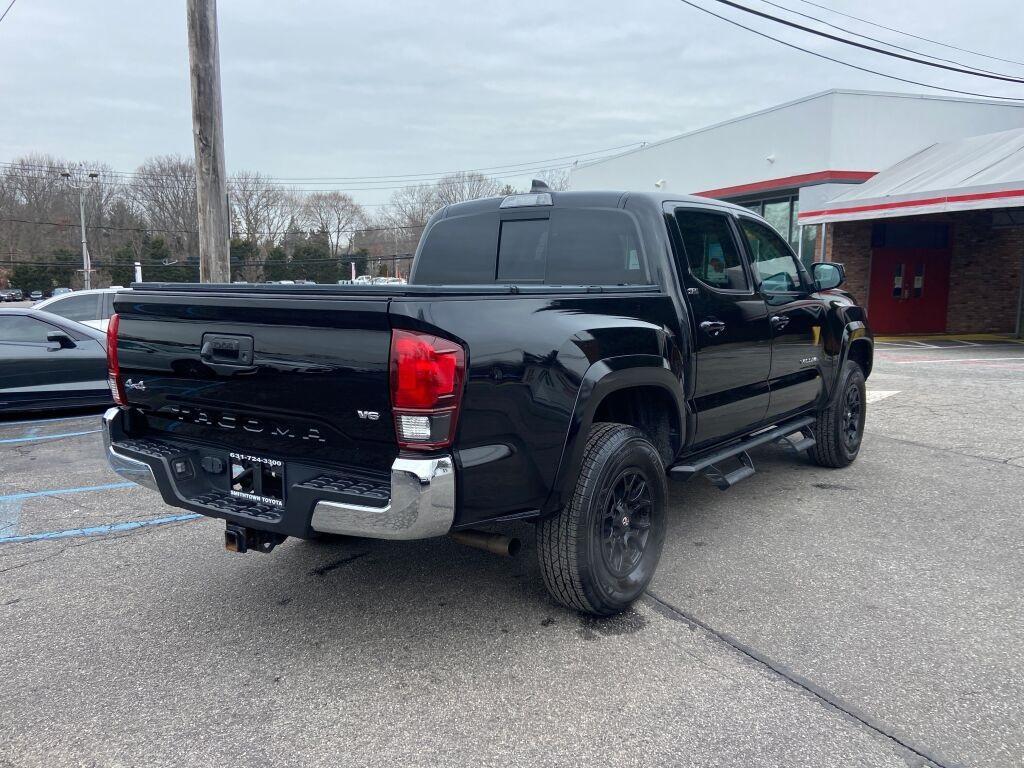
column 388, row 290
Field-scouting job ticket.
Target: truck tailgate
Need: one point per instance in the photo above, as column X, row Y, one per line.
column 287, row 376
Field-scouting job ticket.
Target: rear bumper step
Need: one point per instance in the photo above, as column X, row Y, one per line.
column 417, row 503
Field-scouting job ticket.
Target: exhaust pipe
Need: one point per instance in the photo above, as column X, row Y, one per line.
column 495, row 543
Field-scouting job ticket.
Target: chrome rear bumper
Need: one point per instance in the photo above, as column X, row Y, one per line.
column 422, row 504
column 130, row 469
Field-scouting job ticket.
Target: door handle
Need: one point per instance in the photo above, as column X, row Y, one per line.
column 712, row 327
column 226, row 349
column 779, row 321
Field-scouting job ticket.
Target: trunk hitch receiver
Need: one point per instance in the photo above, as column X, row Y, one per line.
column 238, row 538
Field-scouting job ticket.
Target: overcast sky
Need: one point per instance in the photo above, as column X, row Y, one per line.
column 400, row 87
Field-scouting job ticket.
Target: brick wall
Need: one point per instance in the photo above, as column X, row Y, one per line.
column 985, row 275
column 985, row 269
column 849, row 243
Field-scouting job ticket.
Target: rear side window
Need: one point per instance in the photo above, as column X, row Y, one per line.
column 591, row 247
column 83, row 307
column 459, row 251
column 572, row 247
column 711, row 251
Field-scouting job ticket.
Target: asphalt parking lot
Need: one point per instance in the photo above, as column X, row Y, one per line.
column 867, row 616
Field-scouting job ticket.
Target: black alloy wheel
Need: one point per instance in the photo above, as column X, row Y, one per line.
column 853, row 420
column 626, row 524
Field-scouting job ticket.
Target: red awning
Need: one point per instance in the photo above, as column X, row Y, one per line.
column 969, row 174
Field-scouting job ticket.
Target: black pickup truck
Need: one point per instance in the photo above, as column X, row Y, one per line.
column 554, row 358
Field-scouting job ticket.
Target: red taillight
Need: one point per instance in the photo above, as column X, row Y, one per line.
column 426, row 388
column 113, row 366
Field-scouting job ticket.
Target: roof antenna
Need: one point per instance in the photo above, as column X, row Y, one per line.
column 539, row 186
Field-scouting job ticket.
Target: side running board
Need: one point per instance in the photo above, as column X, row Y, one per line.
column 708, row 462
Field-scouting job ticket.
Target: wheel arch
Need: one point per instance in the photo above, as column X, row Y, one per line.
column 862, row 353
column 858, row 345
column 639, row 390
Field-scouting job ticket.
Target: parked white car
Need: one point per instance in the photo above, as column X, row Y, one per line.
column 92, row 308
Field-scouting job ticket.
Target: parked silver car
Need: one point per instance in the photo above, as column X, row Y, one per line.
column 92, row 308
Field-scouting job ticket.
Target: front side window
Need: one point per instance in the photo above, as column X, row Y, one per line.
column 711, row 251
column 774, row 266
column 23, row 330
column 80, row 308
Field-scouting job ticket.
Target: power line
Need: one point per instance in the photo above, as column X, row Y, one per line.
column 865, row 46
column 15, row 170
column 114, row 228
column 538, row 164
column 7, row 10
column 796, row 47
column 869, row 37
column 19, row 171
column 510, row 169
column 909, row 34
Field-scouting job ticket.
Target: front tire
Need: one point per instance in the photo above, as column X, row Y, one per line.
column 840, row 426
column 599, row 553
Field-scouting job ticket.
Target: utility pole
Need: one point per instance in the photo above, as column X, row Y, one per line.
column 86, row 261
column 208, row 136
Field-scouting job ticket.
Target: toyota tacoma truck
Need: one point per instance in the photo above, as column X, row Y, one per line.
column 555, row 358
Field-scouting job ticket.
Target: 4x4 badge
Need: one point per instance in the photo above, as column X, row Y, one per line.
column 139, row 385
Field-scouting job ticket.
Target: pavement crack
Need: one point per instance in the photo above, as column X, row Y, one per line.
column 991, row 460
column 824, row 697
column 325, row 569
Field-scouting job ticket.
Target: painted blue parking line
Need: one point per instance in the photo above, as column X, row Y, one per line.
column 99, row 530
column 47, row 437
column 62, row 491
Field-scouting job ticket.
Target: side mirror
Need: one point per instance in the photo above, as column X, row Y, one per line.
column 827, row 275
column 60, row 338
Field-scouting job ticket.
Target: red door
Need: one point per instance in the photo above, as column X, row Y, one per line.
column 909, row 290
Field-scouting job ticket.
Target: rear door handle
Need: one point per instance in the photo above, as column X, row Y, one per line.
column 779, row 321
column 712, row 327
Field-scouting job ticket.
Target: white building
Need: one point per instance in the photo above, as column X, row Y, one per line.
column 796, row 154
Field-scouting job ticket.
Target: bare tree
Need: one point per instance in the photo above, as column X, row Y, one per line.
column 164, row 190
column 261, row 208
column 459, row 187
column 36, row 192
column 410, row 206
column 335, row 214
column 556, row 178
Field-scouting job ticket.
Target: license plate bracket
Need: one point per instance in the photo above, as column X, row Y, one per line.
column 257, row 478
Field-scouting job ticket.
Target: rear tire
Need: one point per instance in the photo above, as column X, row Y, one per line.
column 599, row 553
column 840, row 426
